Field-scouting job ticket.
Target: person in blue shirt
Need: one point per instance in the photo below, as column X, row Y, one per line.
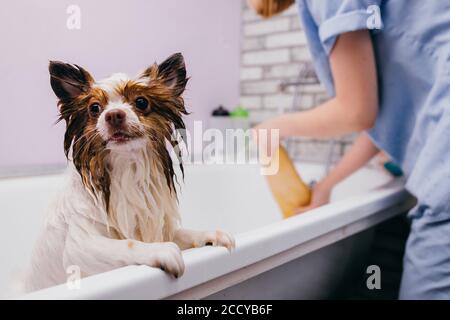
column 386, row 67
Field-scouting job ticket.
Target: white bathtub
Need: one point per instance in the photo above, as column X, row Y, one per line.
column 306, row 256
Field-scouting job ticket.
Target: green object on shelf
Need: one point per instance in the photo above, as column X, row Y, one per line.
column 239, row 112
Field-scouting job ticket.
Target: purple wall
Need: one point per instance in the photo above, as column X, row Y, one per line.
column 115, row 36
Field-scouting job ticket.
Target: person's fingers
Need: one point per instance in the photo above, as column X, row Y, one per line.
column 304, row 209
column 311, row 206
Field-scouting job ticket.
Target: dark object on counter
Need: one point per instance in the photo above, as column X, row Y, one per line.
column 220, row 112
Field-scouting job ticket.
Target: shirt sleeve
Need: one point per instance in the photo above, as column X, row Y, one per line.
column 336, row 17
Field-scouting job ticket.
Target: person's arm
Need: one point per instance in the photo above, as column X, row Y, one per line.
column 359, row 154
column 355, row 105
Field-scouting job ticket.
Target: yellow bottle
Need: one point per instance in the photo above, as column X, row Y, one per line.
column 287, row 187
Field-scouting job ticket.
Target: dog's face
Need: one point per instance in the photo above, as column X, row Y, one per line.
column 119, row 113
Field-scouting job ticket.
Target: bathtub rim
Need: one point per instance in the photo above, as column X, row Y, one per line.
column 206, row 267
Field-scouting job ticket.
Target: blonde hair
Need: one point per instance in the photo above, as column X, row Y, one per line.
column 269, row 8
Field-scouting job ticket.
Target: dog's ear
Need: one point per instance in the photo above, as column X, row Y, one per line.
column 172, row 72
column 68, row 81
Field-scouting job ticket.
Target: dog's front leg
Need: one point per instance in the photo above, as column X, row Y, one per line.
column 96, row 253
column 187, row 239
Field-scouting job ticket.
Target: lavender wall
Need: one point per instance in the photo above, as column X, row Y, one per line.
column 115, row 36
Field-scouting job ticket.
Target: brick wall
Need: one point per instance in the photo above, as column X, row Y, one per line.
column 272, row 51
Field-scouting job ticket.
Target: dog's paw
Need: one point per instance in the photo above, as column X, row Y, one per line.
column 169, row 259
column 217, row 238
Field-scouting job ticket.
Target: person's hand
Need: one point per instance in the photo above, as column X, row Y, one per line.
column 382, row 158
column 321, row 193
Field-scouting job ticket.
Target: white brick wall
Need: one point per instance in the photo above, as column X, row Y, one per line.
column 282, row 71
column 251, row 102
column 265, row 57
column 273, row 51
column 255, row 73
column 286, row 39
column 263, row 27
column 260, row 87
column 300, row 54
column 252, row 44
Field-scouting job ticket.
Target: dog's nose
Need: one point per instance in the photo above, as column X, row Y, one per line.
column 115, row 118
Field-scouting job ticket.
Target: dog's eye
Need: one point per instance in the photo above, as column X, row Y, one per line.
column 95, row 109
column 141, row 104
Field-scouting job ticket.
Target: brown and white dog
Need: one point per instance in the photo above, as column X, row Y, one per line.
column 119, row 205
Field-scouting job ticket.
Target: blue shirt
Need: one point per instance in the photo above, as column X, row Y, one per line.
column 411, row 42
